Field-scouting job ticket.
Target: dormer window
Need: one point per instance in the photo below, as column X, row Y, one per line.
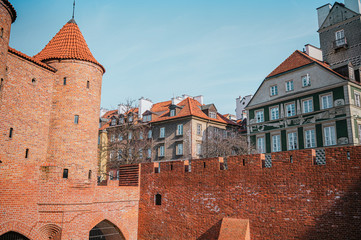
column 114, row 122
column 147, row 118
column 130, row 118
column 121, row 120
column 212, row 115
column 172, row 112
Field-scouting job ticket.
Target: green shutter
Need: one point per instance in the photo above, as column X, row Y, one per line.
column 300, row 138
column 341, row 128
column 284, row 140
column 268, row 143
column 319, row 135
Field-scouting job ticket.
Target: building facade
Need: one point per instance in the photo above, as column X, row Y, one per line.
column 310, row 103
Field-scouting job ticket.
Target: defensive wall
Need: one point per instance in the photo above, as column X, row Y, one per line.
column 288, row 195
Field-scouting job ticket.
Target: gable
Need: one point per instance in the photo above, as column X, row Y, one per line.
column 338, row 13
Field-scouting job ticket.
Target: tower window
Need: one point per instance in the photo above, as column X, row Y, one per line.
column 76, row 119
column 65, row 173
column 27, row 153
column 87, row 84
column 1, row 83
column 11, row 132
column 64, row 81
column 33, row 80
column 158, row 199
column 2, row 32
column 90, row 174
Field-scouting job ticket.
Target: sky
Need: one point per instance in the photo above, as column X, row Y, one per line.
column 157, row 49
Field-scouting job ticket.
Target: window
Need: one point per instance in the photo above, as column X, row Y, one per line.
column 111, row 175
column 289, row 86
column 121, row 120
column 2, row 33
column 149, row 153
column 130, row 135
column 162, row 132
column 326, row 101
column 141, row 135
column 213, row 115
column 330, row 136
column 130, row 118
column 76, row 119
column 307, row 106
column 172, row 112
column 260, row 145
column 65, row 173
column 33, row 81
column 274, row 90
column 140, row 153
column 87, row 84
column 114, row 122
column 130, row 152
column 357, row 99
column 149, row 134
column 199, row 129
column 158, row 199
column 120, row 137
column 1, row 83
column 90, row 174
column 274, row 113
column 120, row 154
column 64, row 81
column 118, row 174
column 180, row 149
column 292, row 141
column 276, row 143
column 11, row 132
column 27, row 153
column 359, row 133
column 306, row 80
column 291, row 109
column 161, row 151
column 112, row 138
column 310, row 138
column 340, row 38
column 147, row 118
column 199, row 148
column 180, row 129
column 259, row 116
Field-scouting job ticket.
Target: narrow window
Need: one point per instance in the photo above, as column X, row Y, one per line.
column 64, row 81
column 11, row 132
column 156, row 169
column 162, row 132
column 244, row 162
column 158, row 199
column 180, row 129
column 179, row 149
column 65, row 173
column 260, row 145
column 348, row 156
column 292, row 141
column 199, row 129
column 33, row 80
column 1, row 83
column 204, row 164
column 171, row 167
column 87, row 84
column 90, row 174
column 76, row 119
column 186, row 168
column 27, row 153
column 291, row 159
column 2, row 32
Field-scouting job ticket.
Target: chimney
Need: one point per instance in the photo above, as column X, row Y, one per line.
column 322, row 13
column 199, row 99
column 121, row 109
column 314, row 52
column 144, row 105
column 354, row 5
column 176, row 100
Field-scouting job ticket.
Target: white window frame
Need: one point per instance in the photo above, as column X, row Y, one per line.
column 179, row 149
column 271, row 113
column 276, row 145
column 357, row 99
column 172, row 112
column 149, row 153
column 162, row 132
column 273, row 90
column 257, row 119
column 161, row 151
column 303, row 105
column 330, row 104
column 340, row 37
column 213, row 115
column 288, row 84
column 199, row 129
column 261, row 148
column 179, row 129
column 130, row 118
column 306, row 83
column 150, row 133
column 199, row 149
column 329, row 129
column 292, row 142
column 310, row 133
column 286, row 107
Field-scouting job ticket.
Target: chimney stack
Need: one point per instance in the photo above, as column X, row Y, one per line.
column 354, row 5
column 314, row 52
column 322, row 13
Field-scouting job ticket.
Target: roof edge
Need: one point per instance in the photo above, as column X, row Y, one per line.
column 10, row 9
column 74, row 58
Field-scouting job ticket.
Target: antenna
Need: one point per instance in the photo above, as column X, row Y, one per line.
column 73, row 8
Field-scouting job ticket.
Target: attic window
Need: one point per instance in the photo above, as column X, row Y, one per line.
column 172, row 112
column 212, row 115
column 114, row 122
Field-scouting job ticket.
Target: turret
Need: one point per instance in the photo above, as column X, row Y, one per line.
column 7, row 16
column 76, row 103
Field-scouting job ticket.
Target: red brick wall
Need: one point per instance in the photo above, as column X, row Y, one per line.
column 5, row 23
column 296, row 200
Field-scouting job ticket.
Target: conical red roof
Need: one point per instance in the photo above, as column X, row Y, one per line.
column 68, row 43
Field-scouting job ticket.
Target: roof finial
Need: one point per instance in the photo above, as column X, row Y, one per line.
column 73, row 9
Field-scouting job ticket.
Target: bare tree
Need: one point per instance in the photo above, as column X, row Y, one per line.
column 127, row 138
column 223, row 143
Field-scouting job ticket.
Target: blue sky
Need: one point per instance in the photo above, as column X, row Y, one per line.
column 157, row 49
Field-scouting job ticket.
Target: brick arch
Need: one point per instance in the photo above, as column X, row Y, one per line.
column 50, row 231
column 19, row 227
column 117, row 223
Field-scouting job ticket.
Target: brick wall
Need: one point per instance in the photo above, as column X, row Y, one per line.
column 290, row 200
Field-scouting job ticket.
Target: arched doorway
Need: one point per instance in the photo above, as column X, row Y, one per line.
column 13, row 236
column 105, row 230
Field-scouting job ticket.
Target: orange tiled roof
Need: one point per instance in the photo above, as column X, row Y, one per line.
column 68, row 43
column 110, row 114
column 11, row 10
column 190, row 107
column 31, row 59
column 296, row 60
column 161, row 106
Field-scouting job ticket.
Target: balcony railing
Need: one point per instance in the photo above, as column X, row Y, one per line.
column 340, row 43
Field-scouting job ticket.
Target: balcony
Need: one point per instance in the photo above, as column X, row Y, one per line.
column 340, row 43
